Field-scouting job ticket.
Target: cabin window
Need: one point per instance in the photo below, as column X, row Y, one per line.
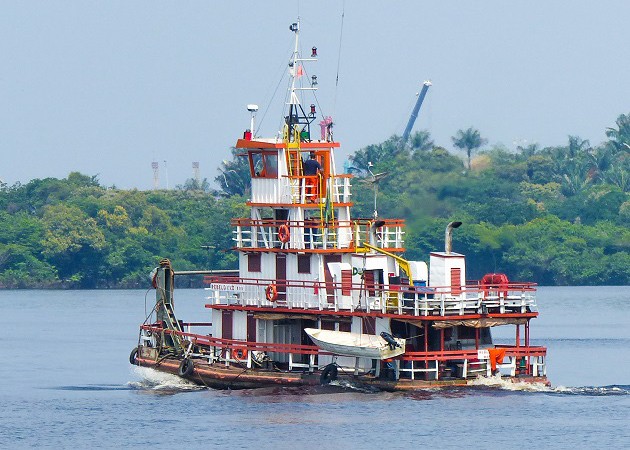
column 345, row 326
column 253, row 262
column 304, row 263
column 264, row 164
column 327, row 325
column 465, row 332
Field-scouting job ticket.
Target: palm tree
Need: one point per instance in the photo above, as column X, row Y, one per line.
column 469, row 140
column 421, row 141
column 620, row 137
column 234, row 177
column 529, row 150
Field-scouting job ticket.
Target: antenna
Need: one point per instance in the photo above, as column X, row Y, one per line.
column 166, row 171
column 156, row 175
column 252, row 109
column 297, row 119
column 195, row 167
column 376, row 178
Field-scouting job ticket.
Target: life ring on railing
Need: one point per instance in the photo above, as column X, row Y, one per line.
column 239, row 354
column 271, row 293
column 284, row 234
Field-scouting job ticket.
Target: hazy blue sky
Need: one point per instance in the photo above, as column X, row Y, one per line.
column 106, row 87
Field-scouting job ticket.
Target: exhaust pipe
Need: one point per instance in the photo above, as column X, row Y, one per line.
column 448, row 237
column 373, row 227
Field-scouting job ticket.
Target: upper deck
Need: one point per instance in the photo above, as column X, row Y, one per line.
column 509, row 303
column 315, row 235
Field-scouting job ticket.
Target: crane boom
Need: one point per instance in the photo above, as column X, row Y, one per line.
column 416, row 109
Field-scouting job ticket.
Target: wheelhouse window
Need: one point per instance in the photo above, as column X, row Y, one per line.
column 304, row 263
column 254, row 262
column 263, row 164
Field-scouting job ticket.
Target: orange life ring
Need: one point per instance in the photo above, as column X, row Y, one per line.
column 239, row 354
column 271, row 293
column 284, row 234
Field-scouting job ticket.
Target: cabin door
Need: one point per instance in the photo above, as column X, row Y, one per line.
column 226, row 324
column 330, row 289
column 281, row 275
column 251, row 328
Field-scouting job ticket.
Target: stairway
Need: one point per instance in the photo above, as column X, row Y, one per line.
column 173, row 324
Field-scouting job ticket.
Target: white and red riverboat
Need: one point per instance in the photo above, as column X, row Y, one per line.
column 320, row 295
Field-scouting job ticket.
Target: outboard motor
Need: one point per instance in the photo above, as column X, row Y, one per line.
column 390, row 340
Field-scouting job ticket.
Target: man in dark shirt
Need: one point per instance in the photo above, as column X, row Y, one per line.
column 311, row 168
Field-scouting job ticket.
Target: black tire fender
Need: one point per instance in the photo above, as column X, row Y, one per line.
column 186, row 367
column 328, row 374
column 133, row 357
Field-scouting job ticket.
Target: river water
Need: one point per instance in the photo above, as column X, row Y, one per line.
column 67, row 383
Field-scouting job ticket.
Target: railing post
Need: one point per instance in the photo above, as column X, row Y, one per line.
column 416, row 309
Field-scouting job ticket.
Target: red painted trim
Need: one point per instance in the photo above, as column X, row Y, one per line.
column 309, row 250
column 293, row 205
column 317, row 312
column 444, row 355
column 321, row 145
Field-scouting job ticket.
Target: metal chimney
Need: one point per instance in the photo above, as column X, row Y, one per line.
column 448, row 237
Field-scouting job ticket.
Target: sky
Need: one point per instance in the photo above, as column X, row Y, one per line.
column 107, row 87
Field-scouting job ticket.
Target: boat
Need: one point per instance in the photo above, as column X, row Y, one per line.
column 356, row 344
column 320, row 295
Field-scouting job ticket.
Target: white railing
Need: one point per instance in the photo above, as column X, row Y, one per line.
column 395, row 299
column 301, row 189
column 315, row 234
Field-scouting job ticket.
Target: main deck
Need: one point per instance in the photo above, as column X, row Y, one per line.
column 511, row 300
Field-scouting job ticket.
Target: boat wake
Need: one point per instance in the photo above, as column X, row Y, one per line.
column 93, row 387
column 594, row 391
column 160, row 382
column 498, row 382
column 351, row 386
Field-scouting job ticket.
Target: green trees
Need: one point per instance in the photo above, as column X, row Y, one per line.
column 234, row 177
column 555, row 215
column 75, row 233
column 469, row 140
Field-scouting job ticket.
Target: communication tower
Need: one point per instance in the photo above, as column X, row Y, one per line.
column 156, row 175
column 196, row 177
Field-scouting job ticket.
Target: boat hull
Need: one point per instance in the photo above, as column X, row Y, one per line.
column 219, row 376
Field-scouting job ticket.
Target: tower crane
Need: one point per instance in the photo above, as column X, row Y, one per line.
column 416, row 109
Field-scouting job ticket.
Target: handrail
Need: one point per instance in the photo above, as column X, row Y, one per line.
column 446, row 355
column 424, row 290
column 246, row 221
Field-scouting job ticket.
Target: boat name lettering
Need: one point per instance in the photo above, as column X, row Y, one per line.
column 227, row 287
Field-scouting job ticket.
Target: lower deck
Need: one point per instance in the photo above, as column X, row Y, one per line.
column 427, row 361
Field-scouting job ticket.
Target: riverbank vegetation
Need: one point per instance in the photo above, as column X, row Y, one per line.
column 554, row 215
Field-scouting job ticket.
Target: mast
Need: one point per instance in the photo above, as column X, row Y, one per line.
column 297, row 119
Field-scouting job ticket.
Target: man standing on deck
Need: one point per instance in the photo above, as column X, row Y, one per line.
column 312, row 169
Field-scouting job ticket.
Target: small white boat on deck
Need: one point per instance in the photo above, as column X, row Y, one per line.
column 355, row 344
